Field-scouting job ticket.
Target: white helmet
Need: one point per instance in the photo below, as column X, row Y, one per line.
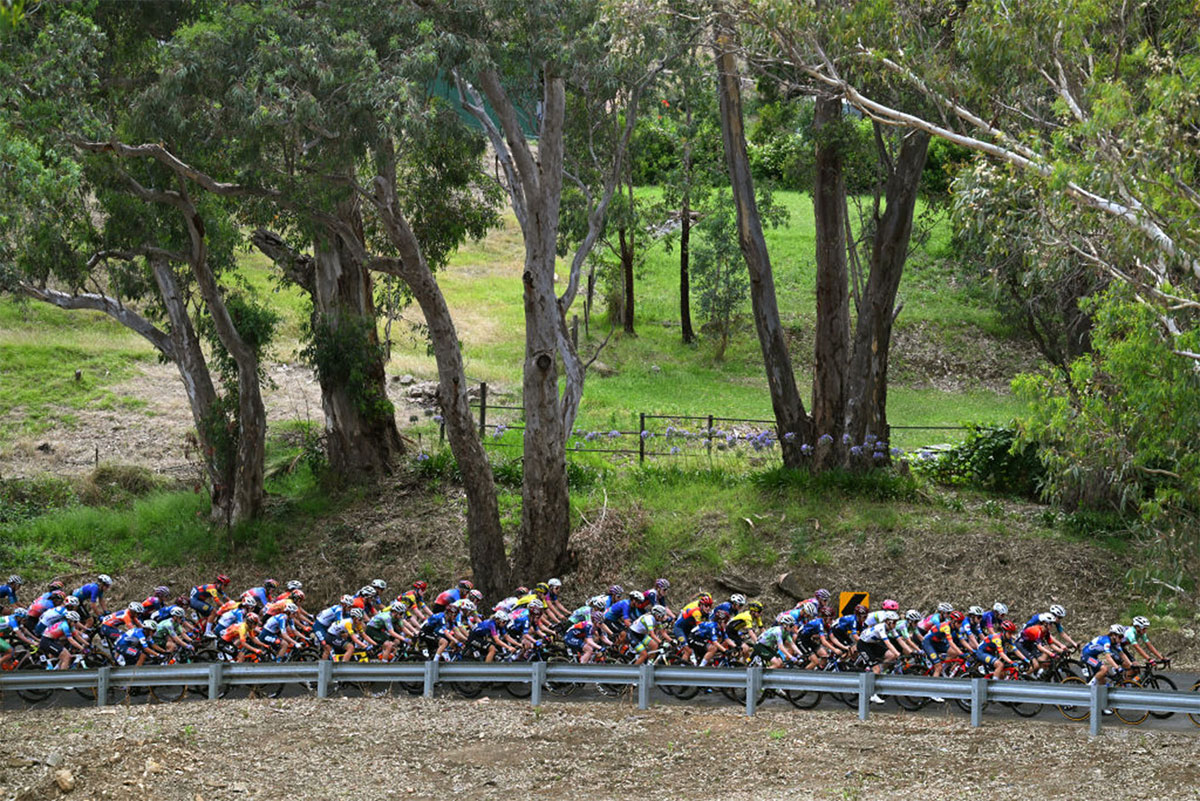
column 1047, row 617
column 999, row 608
column 912, row 615
column 809, row 609
column 104, row 579
column 659, row 611
column 71, row 616
column 466, row 606
column 1058, row 611
column 367, row 592
column 1141, row 622
column 71, row 602
column 379, row 584
column 150, row 625
column 945, row 608
column 890, row 616
column 554, row 583
column 347, row 600
column 176, row 611
column 975, row 610
column 294, row 585
column 500, row 616
column 1117, row 630
column 737, row 598
column 290, row 608
column 598, row 603
column 134, row 606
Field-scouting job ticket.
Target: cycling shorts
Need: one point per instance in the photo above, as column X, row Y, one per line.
column 875, row 651
column 49, row 647
column 935, row 650
column 766, row 652
column 988, row 659
column 643, row 645
column 574, row 643
column 267, row 638
column 204, row 608
column 735, row 635
column 320, row 633
column 4, row 646
column 1028, row 650
column 109, row 632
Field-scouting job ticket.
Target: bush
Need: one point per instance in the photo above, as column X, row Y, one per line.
column 876, row 485
column 114, row 484
column 26, row 498
column 990, row 459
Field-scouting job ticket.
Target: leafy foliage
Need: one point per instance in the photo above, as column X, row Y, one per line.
column 991, row 458
column 345, row 353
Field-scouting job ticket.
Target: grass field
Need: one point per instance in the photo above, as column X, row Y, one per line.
column 653, row 372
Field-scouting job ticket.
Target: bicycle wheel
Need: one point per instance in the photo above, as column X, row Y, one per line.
column 1133, row 717
column 31, row 662
column 1076, row 712
column 561, row 688
column 1193, row 717
column 1160, row 682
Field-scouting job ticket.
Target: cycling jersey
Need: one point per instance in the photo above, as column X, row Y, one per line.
column 327, row 617
column 618, row 613
column 259, row 594
column 813, row 629
column 692, row 611
column 876, row 633
column 578, row 634
column 742, row 622
column 1037, row 619
column 131, row 643
column 8, row 595
column 706, row 632
column 380, row 627
column 1100, row 646
column 774, row 637
column 239, row 632
column 990, row 621
column 1133, row 637
column 969, row 629
column 725, row 607
column 50, row 617
column 990, row 648
column 1035, row 634
column 229, row 606
column 39, row 606
column 846, row 626
column 448, row 597
column 507, row 605
column 582, row 613
column 164, row 632
column 8, row 623
column 524, row 600
column 92, row 593
column 59, row 631
column 341, row 631
column 519, row 625
column 484, row 630
column 230, row 618
column 655, row 598
column 276, row 624
column 645, row 625
column 937, row 642
column 438, row 623
column 151, row 605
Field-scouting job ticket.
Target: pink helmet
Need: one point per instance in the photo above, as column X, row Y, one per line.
column 891, row 606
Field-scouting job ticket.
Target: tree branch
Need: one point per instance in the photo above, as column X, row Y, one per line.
column 110, row 306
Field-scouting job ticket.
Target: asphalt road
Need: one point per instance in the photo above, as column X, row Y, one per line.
column 10, row 701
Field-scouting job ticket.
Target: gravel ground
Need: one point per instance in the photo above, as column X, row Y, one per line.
column 414, row 748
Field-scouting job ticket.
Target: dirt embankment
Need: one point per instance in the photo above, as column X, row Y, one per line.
column 413, row 748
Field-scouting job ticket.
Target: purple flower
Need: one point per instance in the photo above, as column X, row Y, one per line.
column 646, row 434
column 499, row 432
column 674, row 450
column 825, row 440
column 845, row 439
column 897, row 452
column 789, row 436
column 422, row 457
column 879, row 456
column 437, row 418
column 591, row 435
column 856, row 451
column 614, row 434
column 869, row 440
column 806, row 449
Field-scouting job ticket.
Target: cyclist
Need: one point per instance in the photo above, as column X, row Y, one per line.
column 990, row 622
column 939, row 643
column 60, row 640
column 241, row 637
column 205, row 598
column 733, row 605
column 992, row 652
column 657, row 595
column 615, row 593
column 1059, row 612
column 742, row 626
column 847, row 627
column 52, row 616
column 417, row 593
column 487, row 636
column 114, row 625
column 11, row 631
column 276, row 632
column 236, row 613
column 438, row 632
column 1035, row 644
column 348, row 634
column 691, row 616
column 875, row 642
column 1103, row 655
column 41, row 606
column 156, row 600
column 366, row 600
column 328, row 618
column 650, row 632
column 618, row 616
column 815, row 638
column 382, row 629
column 585, row 638
column 971, row 629
column 555, row 611
column 8, row 593
column 168, row 637
column 262, row 594
column 930, row 622
column 775, row 644
column 133, row 646
column 526, row 625
column 1136, row 637
column 91, row 596
column 710, row 637
column 451, row 595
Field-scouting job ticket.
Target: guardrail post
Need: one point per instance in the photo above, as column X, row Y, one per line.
column 214, row 679
column 1097, row 703
column 866, row 688
column 645, row 684
column 753, row 688
column 537, row 683
column 102, row 686
column 431, row 672
column 978, row 699
column 324, row 674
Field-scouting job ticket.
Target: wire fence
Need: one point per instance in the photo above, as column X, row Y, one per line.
column 211, row 679
column 678, row 435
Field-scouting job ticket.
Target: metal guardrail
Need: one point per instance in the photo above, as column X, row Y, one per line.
column 978, row 691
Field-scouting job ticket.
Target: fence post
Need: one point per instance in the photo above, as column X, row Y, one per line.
column 214, row 679
column 1098, row 702
column 431, row 672
column 978, row 699
column 645, row 684
column 753, row 688
column 324, row 674
column 482, row 408
column 102, row 686
column 866, row 688
column 537, row 684
column 710, row 434
column 642, row 439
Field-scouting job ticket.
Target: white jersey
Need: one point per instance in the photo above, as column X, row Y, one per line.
column 876, row 633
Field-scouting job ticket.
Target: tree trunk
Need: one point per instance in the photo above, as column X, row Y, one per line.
column 188, row 358
column 360, row 422
column 685, row 234
column 867, row 412
column 625, row 237
column 793, row 423
column 832, row 336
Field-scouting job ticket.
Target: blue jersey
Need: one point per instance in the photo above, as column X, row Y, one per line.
column 8, row 595
column 439, row 622
column 518, row 626
column 990, row 621
column 485, row 630
column 132, row 642
column 327, row 617
column 655, row 598
column 727, row 606
column 92, row 592
column 1104, row 644
column 1036, row 620
column 276, row 624
column 708, row 631
column 8, row 623
column 165, row 613
column 619, row 612
column 259, row 594
column 813, row 628
column 847, row 624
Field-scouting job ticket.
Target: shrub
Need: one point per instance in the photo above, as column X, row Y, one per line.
column 990, row 459
column 877, row 485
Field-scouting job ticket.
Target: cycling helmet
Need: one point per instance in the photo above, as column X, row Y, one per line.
column 705, row 599
column 379, row 584
column 522, row 590
column 222, row 579
column 15, row 581
column 659, row 611
column 1047, row 617
column 270, row 583
column 71, row 616
column 755, row 606
column 176, row 612
column 860, row 610
column 298, row 595
column 181, row 600
column 71, row 601
column 466, row 585
column 501, row 616
column 255, row 619
column 956, row 617
column 367, row 591
column 134, row 606
column 20, row 613
column 1008, row 626
column 57, row 596
column 475, row 595
column 466, row 606
column 616, row 590
column 249, row 601
column 1058, row 611
column 420, row 586
column 827, row 611
column 809, row 609
column 945, row 608
column 1140, row 622
column 977, row 611
column 554, row 583
column 891, row 606
column 737, row 599
column 821, row 595
column 294, row 585
column 662, row 585
column 999, row 608
column 534, row 606
column 784, row 619
column 150, row 624
column 347, row 600
column 597, row 603
column 104, row 579
column 541, row 588
column 290, row 609
column 720, row 615
column 912, row 615
column 162, row 591
column 355, row 612
column 596, row 618
column 890, row 617
column 637, row 597
column 55, row 585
